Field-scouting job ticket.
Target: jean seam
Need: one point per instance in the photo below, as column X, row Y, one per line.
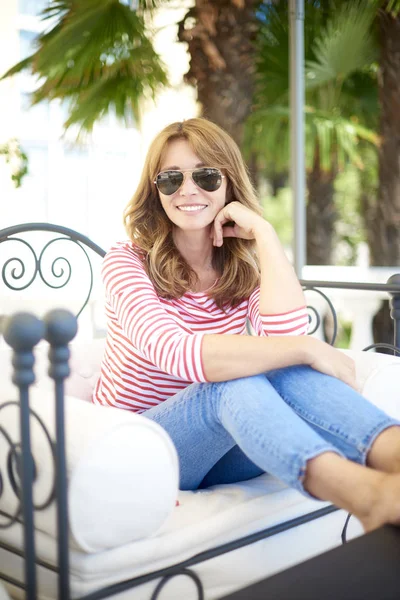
column 371, row 437
column 317, row 451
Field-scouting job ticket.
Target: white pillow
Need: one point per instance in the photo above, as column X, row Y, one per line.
column 378, row 376
column 122, row 472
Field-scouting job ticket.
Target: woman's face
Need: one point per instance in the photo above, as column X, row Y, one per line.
column 190, row 208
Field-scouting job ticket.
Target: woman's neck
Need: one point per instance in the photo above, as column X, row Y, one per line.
column 196, row 248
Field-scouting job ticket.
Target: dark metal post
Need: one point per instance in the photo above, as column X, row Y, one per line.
column 395, row 308
column 61, row 328
column 22, row 332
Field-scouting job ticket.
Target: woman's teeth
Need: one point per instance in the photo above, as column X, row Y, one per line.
column 192, row 207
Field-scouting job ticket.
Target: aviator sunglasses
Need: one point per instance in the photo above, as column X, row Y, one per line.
column 208, row 179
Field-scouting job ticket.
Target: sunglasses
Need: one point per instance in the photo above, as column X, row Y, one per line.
column 208, row 179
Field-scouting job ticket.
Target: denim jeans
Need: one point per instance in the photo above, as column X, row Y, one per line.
column 273, row 422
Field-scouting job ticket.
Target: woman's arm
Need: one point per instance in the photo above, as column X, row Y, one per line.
column 280, row 290
column 230, row 357
column 233, row 356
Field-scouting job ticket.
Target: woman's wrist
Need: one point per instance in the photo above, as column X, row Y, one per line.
column 263, row 231
column 309, row 349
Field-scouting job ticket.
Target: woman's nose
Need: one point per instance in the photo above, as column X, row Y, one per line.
column 188, row 186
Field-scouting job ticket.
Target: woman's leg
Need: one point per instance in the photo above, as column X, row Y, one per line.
column 339, row 414
column 361, row 431
column 234, row 466
column 385, row 451
column 205, row 421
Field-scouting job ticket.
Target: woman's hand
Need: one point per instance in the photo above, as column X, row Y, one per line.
column 326, row 359
column 246, row 223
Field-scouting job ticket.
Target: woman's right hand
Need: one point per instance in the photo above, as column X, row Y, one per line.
column 326, row 359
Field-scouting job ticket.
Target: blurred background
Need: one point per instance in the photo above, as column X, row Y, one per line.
column 86, row 84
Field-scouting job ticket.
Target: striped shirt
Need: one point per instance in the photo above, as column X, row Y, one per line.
column 153, row 346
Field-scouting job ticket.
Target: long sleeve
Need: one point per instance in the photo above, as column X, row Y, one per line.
column 158, row 334
column 294, row 322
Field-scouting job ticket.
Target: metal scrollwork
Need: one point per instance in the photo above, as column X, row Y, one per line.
column 54, row 266
column 55, row 275
column 14, row 268
column 13, row 469
column 189, row 573
column 315, row 318
column 396, row 351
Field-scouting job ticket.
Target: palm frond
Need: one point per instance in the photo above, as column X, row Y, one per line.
column 118, row 92
column 337, row 138
column 95, row 46
column 359, row 96
column 344, row 46
column 21, row 66
column 393, row 7
column 272, row 76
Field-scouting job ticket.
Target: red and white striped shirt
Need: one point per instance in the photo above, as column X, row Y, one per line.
column 153, row 346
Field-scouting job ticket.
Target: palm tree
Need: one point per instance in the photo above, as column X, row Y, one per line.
column 97, row 57
column 381, row 205
column 339, row 50
column 384, row 232
column 220, row 35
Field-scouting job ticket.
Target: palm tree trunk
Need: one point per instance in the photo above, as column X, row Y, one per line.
column 321, row 215
column 220, row 37
column 384, row 234
column 385, row 231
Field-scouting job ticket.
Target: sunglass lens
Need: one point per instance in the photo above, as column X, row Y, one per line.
column 207, row 179
column 169, row 181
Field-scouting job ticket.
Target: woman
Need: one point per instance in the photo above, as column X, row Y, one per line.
column 199, row 264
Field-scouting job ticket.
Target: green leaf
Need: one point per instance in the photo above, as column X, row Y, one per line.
column 21, row 66
column 393, row 6
column 337, row 138
column 97, row 50
column 344, row 46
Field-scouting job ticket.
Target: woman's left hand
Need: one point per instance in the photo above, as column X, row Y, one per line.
column 246, row 223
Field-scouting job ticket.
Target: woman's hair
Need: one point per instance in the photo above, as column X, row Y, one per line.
column 151, row 230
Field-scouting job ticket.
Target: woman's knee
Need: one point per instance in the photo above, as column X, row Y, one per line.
column 241, row 383
column 294, row 374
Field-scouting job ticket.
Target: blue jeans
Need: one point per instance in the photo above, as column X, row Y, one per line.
column 274, row 422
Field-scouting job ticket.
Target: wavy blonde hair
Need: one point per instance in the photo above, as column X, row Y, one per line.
column 150, row 229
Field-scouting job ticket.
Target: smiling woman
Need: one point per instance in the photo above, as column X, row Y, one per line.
column 200, row 263
column 199, row 197
column 166, row 193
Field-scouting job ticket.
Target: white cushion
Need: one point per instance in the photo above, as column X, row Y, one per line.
column 378, row 377
column 122, row 472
